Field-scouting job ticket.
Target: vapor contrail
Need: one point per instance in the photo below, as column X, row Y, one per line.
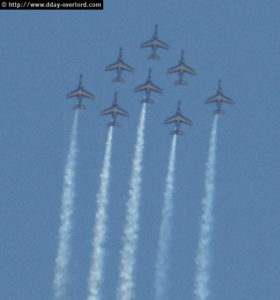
column 67, row 207
column 165, row 227
column 201, row 289
column 130, row 235
column 100, row 230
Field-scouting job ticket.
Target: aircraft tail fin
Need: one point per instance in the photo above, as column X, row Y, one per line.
column 79, row 106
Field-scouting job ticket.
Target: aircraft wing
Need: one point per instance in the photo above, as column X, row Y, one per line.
column 189, row 70
column 220, row 98
column 147, row 44
column 156, row 88
column 122, row 112
column 183, row 68
column 212, row 99
column 185, row 120
column 107, row 111
column 155, row 43
column 111, row 67
column 72, row 94
column 119, row 65
column 87, row 94
column 140, row 88
column 227, row 99
column 114, row 110
column 179, row 119
column 127, row 67
column 148, row 86
column 161, row 44
column 170, row 120
column 174, row 69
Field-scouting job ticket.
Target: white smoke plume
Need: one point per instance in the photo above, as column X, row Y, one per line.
column 165, row 227
column 67, row 208
column 201, row 289
column 100, row 228
column 130, row 235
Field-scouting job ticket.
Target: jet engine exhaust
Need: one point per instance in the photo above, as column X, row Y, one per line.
column 130, row 234
column 100, row 228
column 67, row 208
column 161, row 267
column 201, row 289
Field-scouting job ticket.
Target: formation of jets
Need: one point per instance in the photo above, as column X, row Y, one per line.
column 148, row 87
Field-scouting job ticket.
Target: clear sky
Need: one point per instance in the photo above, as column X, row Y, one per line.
column 42, row 55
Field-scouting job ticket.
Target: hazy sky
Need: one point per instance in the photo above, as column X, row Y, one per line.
column 42, row 55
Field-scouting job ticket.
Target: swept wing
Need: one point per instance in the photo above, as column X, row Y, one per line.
column 219, row 98
column 114, row 110
column 178, row 119
column 80, row 93
column 148, row 86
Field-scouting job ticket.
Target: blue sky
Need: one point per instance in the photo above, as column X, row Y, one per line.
column 42, row 55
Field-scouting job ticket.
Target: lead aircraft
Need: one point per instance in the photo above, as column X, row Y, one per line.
column 219, row 98
column 114, row 110
column 155, row 43
column 178, row 118
column 80, row 93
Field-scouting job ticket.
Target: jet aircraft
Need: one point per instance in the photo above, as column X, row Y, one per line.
column 148, row 87
column 219, row 98
column 181, row 68
column 178, row 118
column 119, row 66
column 114, row 110
column 80, row 93
column 155, row 43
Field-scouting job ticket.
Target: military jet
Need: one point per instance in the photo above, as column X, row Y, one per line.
column 181, row 68
column 155, row 43
column 148, row 87
column 119, row 66
column 178, row 118
column 114, row 110
column 219, row 98
column 80, row 93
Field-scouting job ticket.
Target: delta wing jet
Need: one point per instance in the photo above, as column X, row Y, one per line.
column 155, row 43
column 119, row 66
column 219, row 98
column 80, row 93
column 178, row 118
column 114, row 110
column 181, row 68
column 148, row 87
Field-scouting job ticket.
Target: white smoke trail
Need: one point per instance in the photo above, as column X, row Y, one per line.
column 100, row 230
column 130, row 235
column 201, row 290
column 67, row 208
column 165, row 227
